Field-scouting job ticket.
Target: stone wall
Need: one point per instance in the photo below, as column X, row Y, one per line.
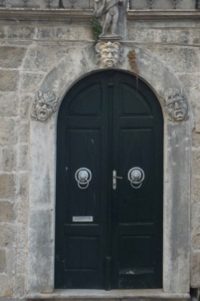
column 28, row 53
column 14, row 167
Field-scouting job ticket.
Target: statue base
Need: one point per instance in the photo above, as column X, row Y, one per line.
column 110, row 37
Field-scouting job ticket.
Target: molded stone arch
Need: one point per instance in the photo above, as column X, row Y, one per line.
column 176, row 226
column 150, row 69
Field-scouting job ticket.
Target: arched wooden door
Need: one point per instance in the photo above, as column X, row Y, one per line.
column 109, row 185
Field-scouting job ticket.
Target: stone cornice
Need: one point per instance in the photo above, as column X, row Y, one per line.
column 68, row 15
column 163, row 15
column 46, row 14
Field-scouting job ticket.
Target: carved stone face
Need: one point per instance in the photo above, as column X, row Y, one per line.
column 177, row 108
column 109, row 56
column 44, row 106
column 44, row 110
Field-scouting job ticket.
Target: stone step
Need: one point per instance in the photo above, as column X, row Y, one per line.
column 114, row 295
column 109, row 299
column 105, row 299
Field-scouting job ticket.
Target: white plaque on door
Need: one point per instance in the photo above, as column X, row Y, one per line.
column 80, row 219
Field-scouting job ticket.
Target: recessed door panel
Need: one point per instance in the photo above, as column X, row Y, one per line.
column 109, row 185
column 140, row 105
column 84, row 103
column 136, row 204
column 133, row 254
column 82, row 253
column 85, row 145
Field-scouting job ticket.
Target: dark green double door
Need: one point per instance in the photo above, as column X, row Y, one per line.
column 109, row 236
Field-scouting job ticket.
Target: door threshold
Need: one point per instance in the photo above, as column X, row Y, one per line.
column 113, row 294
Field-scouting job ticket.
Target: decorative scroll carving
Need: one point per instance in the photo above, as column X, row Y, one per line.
column 109, row 54
column 109, row 8
column 177, row 105
column 44, row 105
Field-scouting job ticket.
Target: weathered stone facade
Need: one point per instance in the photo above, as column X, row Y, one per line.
column 49, row 51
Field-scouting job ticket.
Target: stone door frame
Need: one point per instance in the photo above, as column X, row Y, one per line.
column 176, row 226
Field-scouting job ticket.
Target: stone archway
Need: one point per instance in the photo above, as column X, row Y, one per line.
column 176, row 174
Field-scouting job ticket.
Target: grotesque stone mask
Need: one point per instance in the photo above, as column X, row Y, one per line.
column 44, row 106
column 177, row 106
column 109, row 54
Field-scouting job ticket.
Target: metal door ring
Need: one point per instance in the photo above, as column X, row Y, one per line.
column 136, row 176
column 83, row 176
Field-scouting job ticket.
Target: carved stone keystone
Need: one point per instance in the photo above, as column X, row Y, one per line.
column 109, row 54
column 44, row 105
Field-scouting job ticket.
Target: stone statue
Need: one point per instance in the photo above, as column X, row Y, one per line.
column 111, row 10
column 177, row 105
column 44, row 105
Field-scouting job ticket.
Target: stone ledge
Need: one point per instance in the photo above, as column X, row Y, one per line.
column 24, row 14
column 73, row 294
column 163, row 15
column 46, row 14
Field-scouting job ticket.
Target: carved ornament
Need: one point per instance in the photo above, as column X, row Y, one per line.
column 44, row 105
column 109, row 54
column 176, row 104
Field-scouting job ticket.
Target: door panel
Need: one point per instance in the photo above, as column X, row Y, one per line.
column 84, row 102
column 84, row 151
column 133, row 247
column 139, row 107
column 135, row 205
column 77, row 258
column 109, row 121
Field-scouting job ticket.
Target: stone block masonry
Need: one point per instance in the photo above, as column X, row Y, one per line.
column 13, row 168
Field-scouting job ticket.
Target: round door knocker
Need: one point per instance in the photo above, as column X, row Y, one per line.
column 136, row 176
column 83, row 176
